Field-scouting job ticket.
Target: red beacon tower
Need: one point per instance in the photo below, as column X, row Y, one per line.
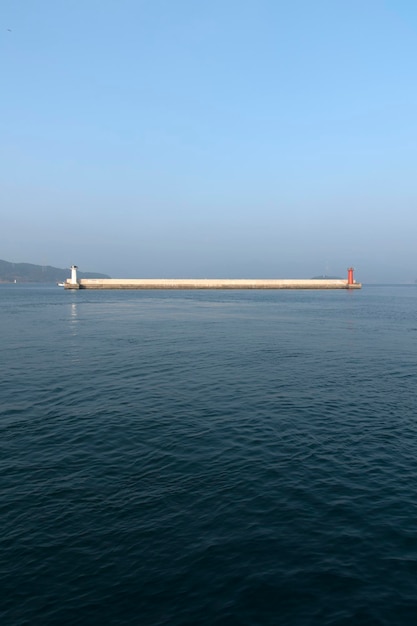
column 350, row 279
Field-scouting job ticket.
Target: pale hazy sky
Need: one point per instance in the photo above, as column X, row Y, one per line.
column 235, row 138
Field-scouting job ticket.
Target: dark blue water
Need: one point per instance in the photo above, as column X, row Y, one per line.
column 213, row 458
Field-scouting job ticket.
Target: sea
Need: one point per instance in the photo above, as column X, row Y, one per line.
column 172, row 458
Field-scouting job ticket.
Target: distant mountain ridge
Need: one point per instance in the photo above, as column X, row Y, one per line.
column 30, row 273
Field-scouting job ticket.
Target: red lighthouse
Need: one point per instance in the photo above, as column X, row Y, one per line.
column 350, row 276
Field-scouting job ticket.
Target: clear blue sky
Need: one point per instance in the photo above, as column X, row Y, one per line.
column 235, row 138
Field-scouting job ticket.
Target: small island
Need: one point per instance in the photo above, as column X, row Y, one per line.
column 30, row 273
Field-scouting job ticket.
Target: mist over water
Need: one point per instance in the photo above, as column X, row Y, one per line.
column 208, row 457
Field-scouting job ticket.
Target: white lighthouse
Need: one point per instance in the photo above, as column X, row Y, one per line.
column 73, row 279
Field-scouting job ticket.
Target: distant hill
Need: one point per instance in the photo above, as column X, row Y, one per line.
column 325, row 277
column 28, row 273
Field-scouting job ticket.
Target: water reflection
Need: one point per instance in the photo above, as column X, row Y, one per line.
column 74, row 318
column 74, row 348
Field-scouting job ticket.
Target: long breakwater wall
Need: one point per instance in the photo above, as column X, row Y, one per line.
column 209, row 283
column 203, row 283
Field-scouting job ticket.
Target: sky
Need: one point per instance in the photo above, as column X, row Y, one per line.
column 230, row 138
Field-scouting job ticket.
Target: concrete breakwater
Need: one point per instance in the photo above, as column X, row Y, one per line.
column 208, row 283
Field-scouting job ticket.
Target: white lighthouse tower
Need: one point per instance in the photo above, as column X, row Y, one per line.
column 73, row 279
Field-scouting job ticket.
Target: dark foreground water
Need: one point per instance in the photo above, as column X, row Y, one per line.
column 213, row 458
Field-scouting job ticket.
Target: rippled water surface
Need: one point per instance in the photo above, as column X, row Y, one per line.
column 213, row 458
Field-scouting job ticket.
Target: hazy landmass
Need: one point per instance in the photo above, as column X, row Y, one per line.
column 29, row 273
